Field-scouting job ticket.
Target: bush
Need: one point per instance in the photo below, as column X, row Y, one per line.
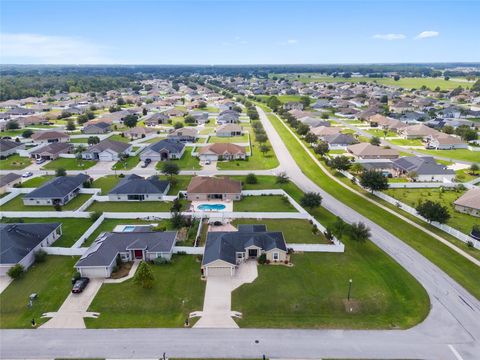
column 40, row 256
column 16, row 271
column 60, row 172
column 57, row 207
column 94, row 216
column 262, row 259
column 161, row 261
column 251, row 179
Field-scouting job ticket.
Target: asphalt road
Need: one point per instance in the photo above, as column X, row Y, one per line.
column 450, row 332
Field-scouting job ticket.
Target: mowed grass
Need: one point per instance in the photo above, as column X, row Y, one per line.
column 406, row 142
column 51, row 280
column 69, row 164
column 36, row 181
column 458, row 220
column 270, row 203
column 72, row 228
column 178, row 183
column 120, row 138
column 106, row 183
column 176, row 292
column 228, row 139
column 15, row 162
column 257, row 161
column 128, row 164
column 457, row 154
column 133, row 206
column 187, row 162
column 16, row 204
column 295, row 231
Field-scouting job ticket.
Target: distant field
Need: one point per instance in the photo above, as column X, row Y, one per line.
column 283, row 98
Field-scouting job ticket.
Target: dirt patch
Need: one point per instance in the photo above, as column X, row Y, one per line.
column 122, row 270
column 351, row 306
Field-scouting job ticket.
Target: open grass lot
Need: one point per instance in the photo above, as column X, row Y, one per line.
column 180, row 182
column 50, row 280
column 16, row 204
column 284, row 98
column 177, row 291
column 229, row 139
column 457, row 154
column 15, row 162
column 257, row 161
column 271, row 203
column 106, row 183
column 118, row 137
column 295, row 231
column 459, row 268
column 458, row 220
column 69, row 164
column 187, row 162
column 79, row 140
column 128, row 164
column 36, row 181
column 132, row 206
column 406, row 142
column 465, row 175
column 380, row 133
column 72, row 228
column 153, row 140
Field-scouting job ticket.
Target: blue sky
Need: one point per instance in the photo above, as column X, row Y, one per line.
column 231, row 32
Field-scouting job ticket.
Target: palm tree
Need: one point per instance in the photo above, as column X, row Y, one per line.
column 359, row 232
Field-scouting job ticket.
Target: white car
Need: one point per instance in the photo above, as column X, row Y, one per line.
column 27, row 174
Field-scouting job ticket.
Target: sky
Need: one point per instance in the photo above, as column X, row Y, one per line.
column 238, row 32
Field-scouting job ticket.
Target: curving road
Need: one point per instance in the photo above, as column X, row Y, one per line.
column 450, row 332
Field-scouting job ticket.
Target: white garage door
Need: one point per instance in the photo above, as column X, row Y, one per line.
column 105, row 157
column 218, row 271
column 94, row 272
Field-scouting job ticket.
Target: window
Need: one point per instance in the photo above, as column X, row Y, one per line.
column 275, row 256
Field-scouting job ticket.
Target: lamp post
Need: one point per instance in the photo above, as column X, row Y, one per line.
column 349, row 289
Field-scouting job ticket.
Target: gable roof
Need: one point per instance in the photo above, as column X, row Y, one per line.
column 213, row 185
column 422, row 165
column 170, row 145
column 134, row 184
column 45, row 135
column 6, row 144
column 366, row 149
column 340, row 139
column 58, row 187
column 470, row 199
column 53, row 148
column 116, row 146
column 100, row 125
column 222, row 148
column 8, row 178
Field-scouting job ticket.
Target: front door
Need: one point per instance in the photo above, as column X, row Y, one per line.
column 138, row 254
column 252, row 253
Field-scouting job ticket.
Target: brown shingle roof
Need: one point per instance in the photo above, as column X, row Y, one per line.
column 212, row 185
column 223, row 148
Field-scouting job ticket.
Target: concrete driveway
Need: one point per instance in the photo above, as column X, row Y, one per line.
column 217, row 304
column 74, row 309
column 4, row 282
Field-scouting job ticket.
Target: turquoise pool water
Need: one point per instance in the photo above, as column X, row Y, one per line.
column 128, row 228
column 211, row 207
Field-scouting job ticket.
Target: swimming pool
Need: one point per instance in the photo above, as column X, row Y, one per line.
column 211, row 207
column 128, row 228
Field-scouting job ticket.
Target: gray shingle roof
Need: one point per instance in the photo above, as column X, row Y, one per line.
column 134, row 184
column 17, row 240
column 8, row 178
column 6, row 144
column 117, row 146
column 422, row 165
column 172, row 146
column 58, row 187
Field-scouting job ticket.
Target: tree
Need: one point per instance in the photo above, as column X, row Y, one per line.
column 177, row 125
column 144, row 111
column 261, row 138
column 474, row 168
column 82, row 119
column 144, row 276
column 373, row 180
column 16, row 271
column 375, row 141
column 282, row 178
column 340, row 163
column 176, row 205
column 92, row 140
column 357, row 168
column 60, row 172
column 27, row 133
column 433, row 211
column 448, row 129
column 70, row 125
column 169, row 168
column 311, row 200
column 396, row 77
column 384, row 99
column 264, row 148
column 130, row 120
column 202, row 104
column 177, row 220
column 273, row 103
column 359, row 232
column 303, row 129
column 12, row 125
column 120, row 101
column 189, row 119
column 476, row 86
column 305, row 100
column 447, row 78
column 251, row 179
column 340, row 228
column 321, row 148
column 311, row 138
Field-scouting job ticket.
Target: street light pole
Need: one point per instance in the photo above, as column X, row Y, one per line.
column 349, row 289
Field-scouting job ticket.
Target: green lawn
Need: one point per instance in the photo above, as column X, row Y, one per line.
column 459, row 268
column 257, row 161
column 106, row 183
column 180, row 182
column 406, row 142
column 187, row 162
column 458, row 220
column 380, row 133
column 11, row 133
column 79, row 140
column 120, row 138
column 284, row 98
column 153, row 140
column 295, row 231
column 466, row 175
column 128, row 164
column 177, row 291
column 15, row 162
column 229, row 139
column 16, row 204
column 69, row 164
column 50, row 280
column 36, row 181
column 272, row 203
column 458, row 154
column 132, row 206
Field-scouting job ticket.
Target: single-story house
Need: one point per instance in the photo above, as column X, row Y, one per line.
column 174, row 113
column 156, row 119
column 186, row 135
column 8, row 147
column 52, row 151
column 322, row 131
column 425, row 168
column 163, row 150
column 339, row 140
column 204, row 188
column 227, row 130
column 200, row 116
column 139, row 132
column 136, row 188
column 101, row 257
column 293, row 105
column 9, row 180
column 106, row 150
column 469, row 202
column 441, row 141
column 222, row 151
column 228, row 117
column 97, row 128
column 20, row 241
column 224, row 251
column 418, row 131
column 369, row 151
column 57, row 191
column 49, row 136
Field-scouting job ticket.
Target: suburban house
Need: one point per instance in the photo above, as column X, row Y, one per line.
column 57, row 191
column 97, row 128
column 138, row 243
column 228, row 117
column 224, row 251
column 163, row 150
column 441, row 141
column 369, row 151
column 293, row 105
column 222, row 151
column 51, row 151
column 45, row 137
column 106, row 150
column 424, row 169
column 174, row 113
column 339, row 140
column 185, row 135
column 204, row 188
column 156, row 119
column 8, row 147
column 20, row 241
column 136, row 188
column 322, row 131
column 9, row 180
column 418, row 131
column 139, row 132
column 469, row 202
column 228, row 130
column 200, row 116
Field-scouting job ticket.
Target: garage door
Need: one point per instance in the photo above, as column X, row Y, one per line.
column 94, row 272
column 218, row 271
column 105, row 157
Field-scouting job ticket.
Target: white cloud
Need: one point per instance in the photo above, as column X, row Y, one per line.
column 292, row 41
column 427, row 34
column 389, row 37
column 46, row 49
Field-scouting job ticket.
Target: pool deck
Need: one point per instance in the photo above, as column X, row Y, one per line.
column 121, row 228
column 228, row 205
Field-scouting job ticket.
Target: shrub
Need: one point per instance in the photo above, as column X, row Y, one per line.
column 16, row 271
column 262, row 259
column 251, row 179
column 40, row 256
column 161, row 261
column 57, row 207
column 94, row 216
